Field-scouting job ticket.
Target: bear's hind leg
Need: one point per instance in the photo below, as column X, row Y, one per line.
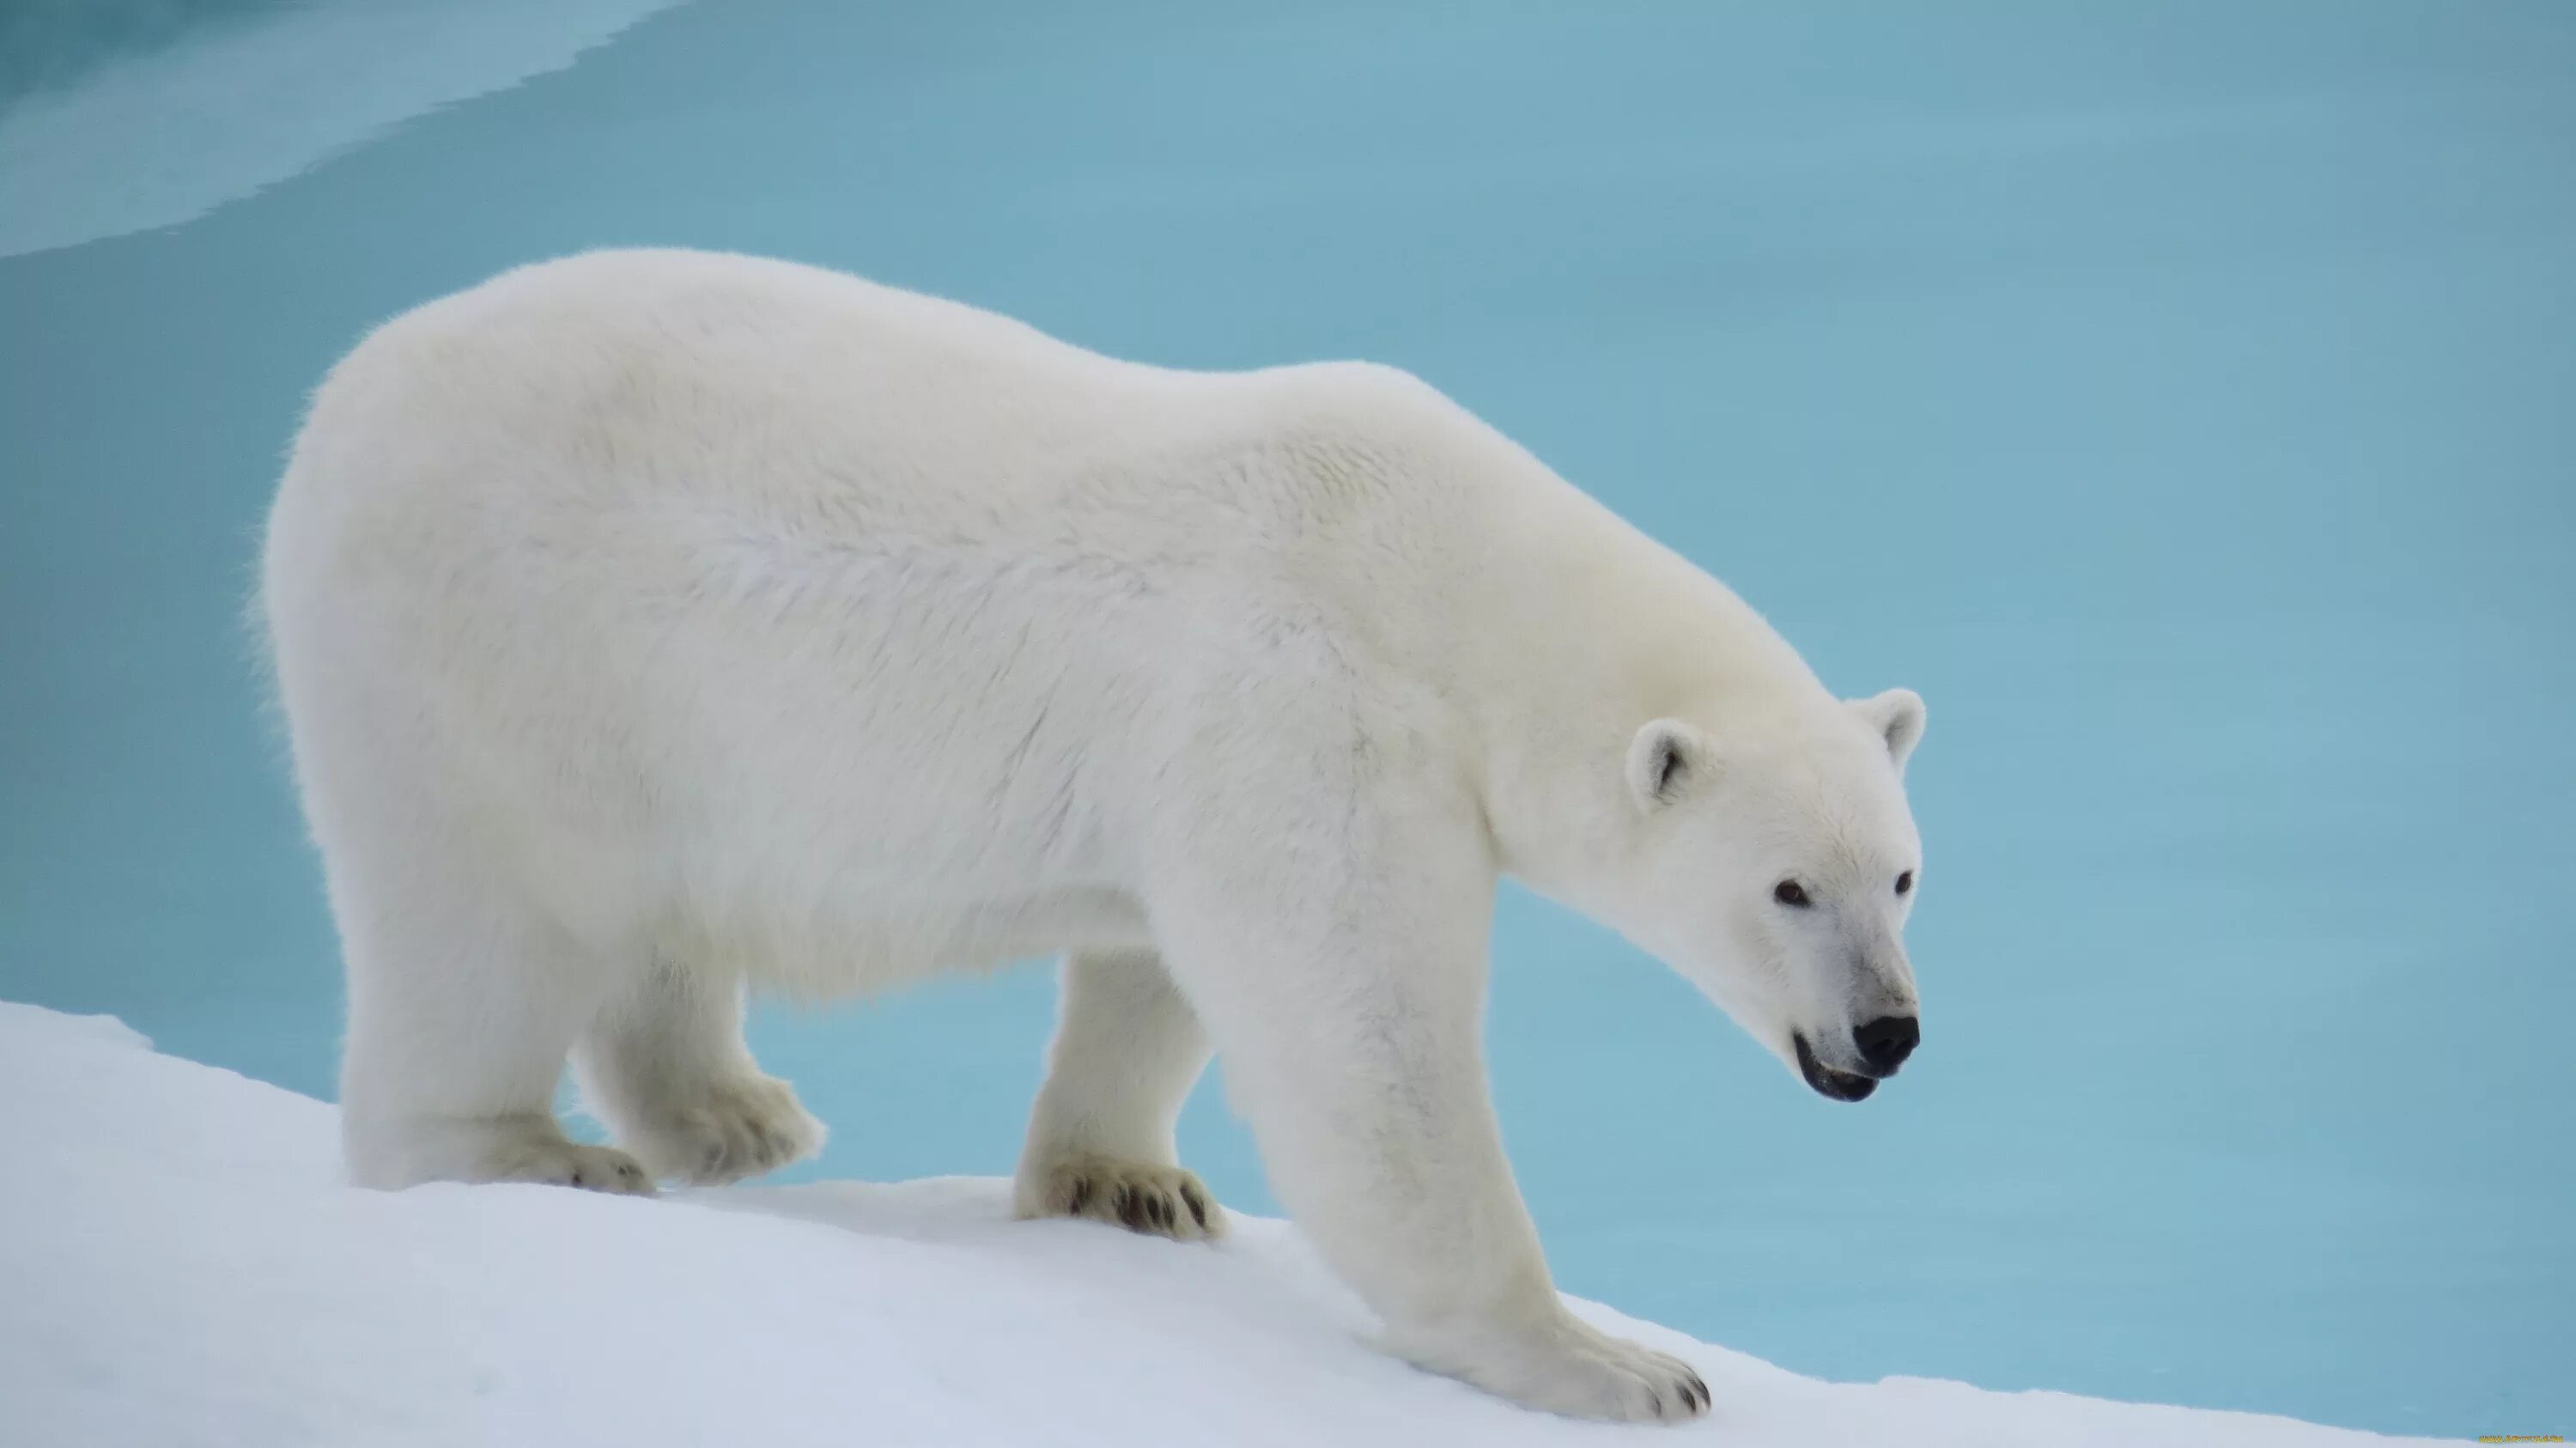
column 665, row 1066
column 1127, row 1049
column 462, row 1005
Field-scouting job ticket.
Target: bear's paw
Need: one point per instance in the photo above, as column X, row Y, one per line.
column 1159, row 1201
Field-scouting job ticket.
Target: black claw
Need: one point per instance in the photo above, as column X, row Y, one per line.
column 1198, row 1208
column 1079, row 1197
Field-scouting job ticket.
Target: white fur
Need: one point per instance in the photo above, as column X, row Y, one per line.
column 653, row 626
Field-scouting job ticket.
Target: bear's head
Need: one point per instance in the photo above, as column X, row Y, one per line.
column 1774, row 865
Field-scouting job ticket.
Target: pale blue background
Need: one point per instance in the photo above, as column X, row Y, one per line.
column 2179, row 395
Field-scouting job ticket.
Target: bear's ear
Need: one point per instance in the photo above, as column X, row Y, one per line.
column 1897, row 717
column 1662, row 761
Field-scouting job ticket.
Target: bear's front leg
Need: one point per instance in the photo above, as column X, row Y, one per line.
column 1127, row 1050
column 1344, row 989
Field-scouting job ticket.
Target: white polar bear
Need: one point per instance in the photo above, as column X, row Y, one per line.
column 654, row 625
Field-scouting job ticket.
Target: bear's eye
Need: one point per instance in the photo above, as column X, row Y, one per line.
column 1790, row 892
column 1905, row 883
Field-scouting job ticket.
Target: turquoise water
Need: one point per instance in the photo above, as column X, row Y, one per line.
column 2182, row 396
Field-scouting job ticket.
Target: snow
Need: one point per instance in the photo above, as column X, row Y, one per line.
column 160, row 138
column 180, row 1264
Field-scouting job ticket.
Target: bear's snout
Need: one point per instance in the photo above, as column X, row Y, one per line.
column 1886, row 1042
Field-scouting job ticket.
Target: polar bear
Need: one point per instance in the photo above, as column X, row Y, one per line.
column 652, row 626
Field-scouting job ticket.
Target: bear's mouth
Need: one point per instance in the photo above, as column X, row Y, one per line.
column 1824, row 1080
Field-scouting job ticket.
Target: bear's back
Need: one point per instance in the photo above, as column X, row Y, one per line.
column 788, row 397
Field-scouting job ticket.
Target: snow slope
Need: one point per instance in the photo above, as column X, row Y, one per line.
column 179, row 1265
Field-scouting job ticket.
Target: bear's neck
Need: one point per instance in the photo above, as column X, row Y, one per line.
column 1580, row 631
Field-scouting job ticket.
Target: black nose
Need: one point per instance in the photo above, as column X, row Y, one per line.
column 1886, row 1042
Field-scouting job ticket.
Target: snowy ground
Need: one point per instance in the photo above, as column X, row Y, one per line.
column 179, row 1265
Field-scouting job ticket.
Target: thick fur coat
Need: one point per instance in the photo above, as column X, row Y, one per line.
column 657, row 626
